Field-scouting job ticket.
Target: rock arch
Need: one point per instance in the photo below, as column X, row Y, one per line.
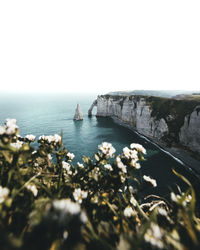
column 91, row 108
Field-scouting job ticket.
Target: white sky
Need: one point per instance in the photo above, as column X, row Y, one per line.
column 99, row 46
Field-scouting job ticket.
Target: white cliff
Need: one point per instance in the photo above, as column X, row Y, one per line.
column 78, row 113
column 137, row 112
column 190, row 131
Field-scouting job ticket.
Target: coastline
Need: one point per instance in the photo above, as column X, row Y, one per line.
column 182, row 156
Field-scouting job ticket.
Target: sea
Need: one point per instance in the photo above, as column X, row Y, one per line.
column 49, row 114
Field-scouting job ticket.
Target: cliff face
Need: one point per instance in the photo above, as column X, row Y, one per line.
column 161, row 118
column 190, row 131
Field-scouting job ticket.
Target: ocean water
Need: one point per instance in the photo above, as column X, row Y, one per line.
column 47, row 114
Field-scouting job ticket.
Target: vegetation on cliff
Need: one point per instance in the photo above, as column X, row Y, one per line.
column 47, row 202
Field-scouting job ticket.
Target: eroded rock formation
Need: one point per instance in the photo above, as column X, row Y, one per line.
column 78, row 113
column 161, row 118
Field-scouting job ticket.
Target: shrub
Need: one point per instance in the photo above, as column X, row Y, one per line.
column 48, row 202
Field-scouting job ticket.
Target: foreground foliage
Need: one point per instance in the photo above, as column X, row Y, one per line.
column 47, row 202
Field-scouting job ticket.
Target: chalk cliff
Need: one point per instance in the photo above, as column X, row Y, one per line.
column 169, row 120
column 78, row 113
column 190, row 131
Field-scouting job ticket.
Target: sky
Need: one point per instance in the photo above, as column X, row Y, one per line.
column 99, row 46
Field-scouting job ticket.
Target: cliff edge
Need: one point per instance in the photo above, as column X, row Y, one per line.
column 167, row 120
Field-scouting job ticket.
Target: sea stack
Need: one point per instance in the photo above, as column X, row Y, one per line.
column 78, row 113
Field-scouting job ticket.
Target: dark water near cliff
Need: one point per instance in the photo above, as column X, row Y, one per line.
column 49, row 114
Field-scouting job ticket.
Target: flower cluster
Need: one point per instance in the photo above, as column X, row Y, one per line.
column 183, row 198
column 50, row 138
column 10, row 127
column 79, row 195
column 30, row 138
column 107, row 149
column 154, row 236
column 100, row 202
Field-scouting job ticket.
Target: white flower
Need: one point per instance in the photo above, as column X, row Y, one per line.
column 50, row 138
column 79, row 195
column 30, row 138
column 65, row 234
column 33, row 189
column 57, row 138
column 138, row 147
column 2, row 130
column 128, row 212
column 130, row 154
column 83, row 217
column 70, row 207
column 177, row 197
column 126, row 151
column 131, row 190
column 122, row 178
column 121, row 165
column 154, row 235
column 162, row 211
column 49, row 156
column 17, row 144
column 4, row 191
column 67, row 205
column 70, row 155
column 108, row 167
column 148, row 179
column 133, row 201
column 137, row 165
column 107, row 149
column 80, row 165
column 11, row 126
column 67, row 167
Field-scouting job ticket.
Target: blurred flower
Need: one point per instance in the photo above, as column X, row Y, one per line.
column 128, row 212
column 79, row 195
column 108, row 167
column 130, row 154
column 49, row 156
column 11, row 126
column 2, row 130
column 148, row 179
column 154, row 235
column 162, row 211
column 138, row 147
column 50, row 138
column 30, row 138
column 137, row 165
column 121, row 165
column 71, row 156
column 177, row 197
column 67, row 205
column 80, row 165
column 67, row 167
column 33, row 189
column 4, row 191
column 107, row 149
column 17, row 144
column 122, row 178
column 133, row 201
